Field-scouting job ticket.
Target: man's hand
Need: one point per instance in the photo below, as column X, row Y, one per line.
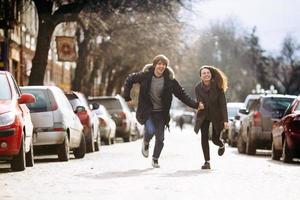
column 201, row 106
column 226, row 126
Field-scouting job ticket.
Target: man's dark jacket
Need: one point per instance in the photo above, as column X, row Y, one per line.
column 171, row 86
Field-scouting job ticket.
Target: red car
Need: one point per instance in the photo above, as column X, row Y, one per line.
column 286, row 134
column 88, row 119
column 15, row 124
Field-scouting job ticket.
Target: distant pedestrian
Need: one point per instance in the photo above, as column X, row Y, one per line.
column 181, row 122
column 157, row 85
column 210, row 92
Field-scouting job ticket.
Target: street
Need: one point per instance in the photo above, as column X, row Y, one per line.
column 120, row 172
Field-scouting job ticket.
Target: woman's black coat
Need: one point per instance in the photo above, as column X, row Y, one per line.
column 214, row 103
column 171, row 86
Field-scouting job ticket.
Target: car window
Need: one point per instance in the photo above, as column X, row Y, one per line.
column 5, row 92
column 273, row 103
column 42, row 103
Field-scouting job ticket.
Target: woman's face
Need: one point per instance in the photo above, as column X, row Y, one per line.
column 160, row 68
column 205, row 75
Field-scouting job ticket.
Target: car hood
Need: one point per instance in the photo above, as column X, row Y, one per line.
column 5, row 106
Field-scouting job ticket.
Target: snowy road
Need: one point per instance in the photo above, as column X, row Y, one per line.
column 120, row 172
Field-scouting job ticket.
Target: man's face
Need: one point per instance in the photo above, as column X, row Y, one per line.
column 160, row 68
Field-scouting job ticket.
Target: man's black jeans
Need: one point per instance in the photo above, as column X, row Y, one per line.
column 204, row 139
column 159, row 126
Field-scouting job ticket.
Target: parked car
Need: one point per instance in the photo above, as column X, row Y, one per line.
column 121, row 114
column 286, row 134
column 107, row 124
column 257, row 124
column 230, row 135
column 88, row 119
column 15, row 124
column 56, row 128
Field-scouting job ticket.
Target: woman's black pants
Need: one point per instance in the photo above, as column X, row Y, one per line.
column 204, row 139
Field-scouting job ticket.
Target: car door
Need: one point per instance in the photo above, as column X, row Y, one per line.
column 25, row 114
column 72, row 121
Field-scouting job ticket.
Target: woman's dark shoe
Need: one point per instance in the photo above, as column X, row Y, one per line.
column 221, row 150
column 206, row 165
column 155, row 163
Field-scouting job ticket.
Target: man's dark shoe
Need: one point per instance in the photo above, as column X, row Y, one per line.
column 206, row 165
column 145, row 149
column 155, row 163
column 221, row 150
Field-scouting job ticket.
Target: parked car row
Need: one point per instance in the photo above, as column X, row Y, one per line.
column 38, row 120
column 267, row 121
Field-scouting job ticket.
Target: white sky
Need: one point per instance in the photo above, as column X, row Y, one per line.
column 274, row 19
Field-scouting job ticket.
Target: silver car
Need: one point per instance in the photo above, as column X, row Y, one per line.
column 56, row 127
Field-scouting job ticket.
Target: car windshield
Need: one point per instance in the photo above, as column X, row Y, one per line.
column 42, row 103
column 298, row 107
column 274, row 103
column 5, row 92
column 232, row 111
column 109, row 104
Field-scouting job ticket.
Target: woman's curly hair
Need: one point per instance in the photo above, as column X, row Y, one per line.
column 218, row 76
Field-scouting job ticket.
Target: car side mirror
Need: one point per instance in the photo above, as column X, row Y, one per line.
column 243, row 111
column 80, row 109
column 26, row 98
column 94, row 106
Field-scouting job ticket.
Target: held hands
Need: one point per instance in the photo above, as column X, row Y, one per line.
column 201, row 106
column 226, row 126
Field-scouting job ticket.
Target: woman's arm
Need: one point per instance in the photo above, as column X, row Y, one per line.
column 223, row 106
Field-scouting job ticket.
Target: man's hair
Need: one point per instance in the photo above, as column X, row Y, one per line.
column 160, row 58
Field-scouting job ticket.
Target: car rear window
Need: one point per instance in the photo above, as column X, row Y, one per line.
column 5, row 92
column 42, row 103
column 109, row 104
column 274, row 103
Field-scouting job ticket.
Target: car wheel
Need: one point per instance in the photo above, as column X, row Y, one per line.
column 250, row 146
column 128, row 139
column 29, row 156
column 98, row 142
column 64, row 150
column 90, row 145
column 18, row 162
column 286, row 153
column 113, row 140
column 241, row 145
column 107, row 141
column 80, row 151
column 276, row 154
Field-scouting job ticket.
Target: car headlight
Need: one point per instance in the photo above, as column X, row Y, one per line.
column 7, row 118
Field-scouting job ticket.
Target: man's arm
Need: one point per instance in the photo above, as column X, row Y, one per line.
column 180, row 93
column 130, row 80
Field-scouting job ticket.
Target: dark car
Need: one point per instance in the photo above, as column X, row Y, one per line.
column 258, row 120
column 286, row 134
column 121, row 114
column 88, row 119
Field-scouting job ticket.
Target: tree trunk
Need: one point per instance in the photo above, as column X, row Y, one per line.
column 81, row 68
column 39, row 62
